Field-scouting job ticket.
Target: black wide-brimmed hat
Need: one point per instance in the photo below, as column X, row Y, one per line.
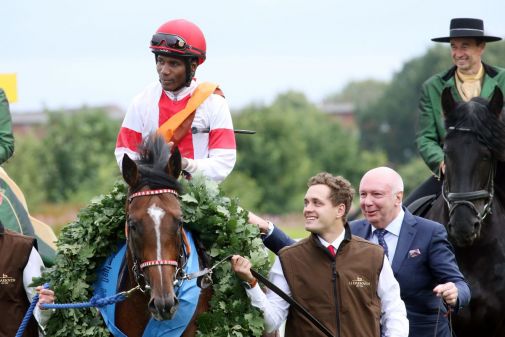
column 466, row 27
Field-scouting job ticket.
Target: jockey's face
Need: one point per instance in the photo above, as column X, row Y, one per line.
column 171, row 71
column 467, row 55
column 379, row 203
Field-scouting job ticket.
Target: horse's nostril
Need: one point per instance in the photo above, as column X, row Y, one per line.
column 163, row 307
column 151, row 306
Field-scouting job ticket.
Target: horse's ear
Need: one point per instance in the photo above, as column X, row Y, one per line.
column 448, row 102
column 129, row 170
column 496, row 102
column 175, row 163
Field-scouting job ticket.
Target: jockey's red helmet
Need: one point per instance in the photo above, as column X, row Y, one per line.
column 179, row 38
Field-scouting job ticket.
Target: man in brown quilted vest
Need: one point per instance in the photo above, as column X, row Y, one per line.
column 19, row 263
column 344, row 281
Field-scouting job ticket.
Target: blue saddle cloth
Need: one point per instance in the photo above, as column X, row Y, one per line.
column 188, row 294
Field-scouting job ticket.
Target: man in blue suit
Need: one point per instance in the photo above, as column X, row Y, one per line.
column 422, row 258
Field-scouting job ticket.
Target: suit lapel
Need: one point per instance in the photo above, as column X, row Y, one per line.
column 488, row 86
column 407, row 234
column 361, row 229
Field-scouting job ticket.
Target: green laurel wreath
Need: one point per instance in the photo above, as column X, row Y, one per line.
column 222, row 224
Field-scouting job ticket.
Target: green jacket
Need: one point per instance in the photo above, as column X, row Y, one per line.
column 430, row 125
column 6, row 136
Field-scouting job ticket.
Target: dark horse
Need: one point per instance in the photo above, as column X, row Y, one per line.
column 471, row 206
column 157, row 246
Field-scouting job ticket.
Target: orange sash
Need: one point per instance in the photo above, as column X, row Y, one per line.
column 176, row 127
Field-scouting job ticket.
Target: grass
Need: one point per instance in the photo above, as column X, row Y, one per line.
column 295, row 232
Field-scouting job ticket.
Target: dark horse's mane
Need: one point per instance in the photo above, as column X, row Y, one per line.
column 154, row 155
column 489, row 128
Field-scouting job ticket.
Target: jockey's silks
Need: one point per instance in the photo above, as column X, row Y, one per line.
column 187, row 295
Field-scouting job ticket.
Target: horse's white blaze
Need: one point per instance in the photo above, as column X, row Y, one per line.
column 157, row 214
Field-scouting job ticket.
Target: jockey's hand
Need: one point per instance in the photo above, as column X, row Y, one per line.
column 184, row 163
column 442, row 168
column 242, row 267
column 260, row 222
column 448, row 291
column 45, row 296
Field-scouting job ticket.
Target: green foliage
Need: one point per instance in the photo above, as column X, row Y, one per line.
column 220, row 224
column 81, row 248
column 74, row 160
column 238, row 182
column 25, row 169
column 360, row 93
column 294, row 141
column 413, row 173
column 494, row 54
column 77, row 148
column 389, row 124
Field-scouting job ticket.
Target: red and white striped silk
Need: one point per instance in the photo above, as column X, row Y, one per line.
column 213, row 153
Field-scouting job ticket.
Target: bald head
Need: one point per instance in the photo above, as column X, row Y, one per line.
column 386, row 175
column 381, row 194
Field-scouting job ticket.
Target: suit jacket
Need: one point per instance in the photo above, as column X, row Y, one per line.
column 423, row 259
column 431, row 129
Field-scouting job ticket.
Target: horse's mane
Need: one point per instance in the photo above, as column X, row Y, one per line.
column 152, row 164
column 487, row 126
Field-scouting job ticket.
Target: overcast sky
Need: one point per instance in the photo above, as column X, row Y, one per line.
column 95, row 52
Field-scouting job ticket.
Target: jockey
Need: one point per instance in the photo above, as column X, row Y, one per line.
column 193, row 116
column 206, row 138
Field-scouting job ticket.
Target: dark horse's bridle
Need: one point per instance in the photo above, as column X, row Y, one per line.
column 179, row 264
column 454, row 200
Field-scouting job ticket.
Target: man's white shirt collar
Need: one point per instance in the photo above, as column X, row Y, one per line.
column 335, row 243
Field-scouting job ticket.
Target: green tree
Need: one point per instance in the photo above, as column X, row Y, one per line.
column 79, row 154
column 25, row 168
column 413, row 173
column 360, row 93
column 294, row 141
column 389, row 124
column 73, row 161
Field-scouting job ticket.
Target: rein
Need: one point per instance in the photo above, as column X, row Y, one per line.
column 455, row 199
column 449, row 315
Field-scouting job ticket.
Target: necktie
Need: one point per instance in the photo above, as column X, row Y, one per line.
column 332, row 250
column 380, row 236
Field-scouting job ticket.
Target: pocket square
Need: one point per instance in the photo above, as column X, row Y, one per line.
column 414, row 252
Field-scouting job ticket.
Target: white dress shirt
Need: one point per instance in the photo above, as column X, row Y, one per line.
column 34, row 268
column 392, row 235
column 275, row 310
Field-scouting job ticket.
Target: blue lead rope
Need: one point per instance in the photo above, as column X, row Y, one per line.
column 29, row 313
column 95, row 301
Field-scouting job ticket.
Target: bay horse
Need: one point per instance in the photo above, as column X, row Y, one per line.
column 471, row 206
column 157, row 246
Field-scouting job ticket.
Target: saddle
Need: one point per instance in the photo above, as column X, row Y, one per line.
column 422, row 205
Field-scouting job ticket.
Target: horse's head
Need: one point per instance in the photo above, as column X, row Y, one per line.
column 154, row 219
column 474, row 142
